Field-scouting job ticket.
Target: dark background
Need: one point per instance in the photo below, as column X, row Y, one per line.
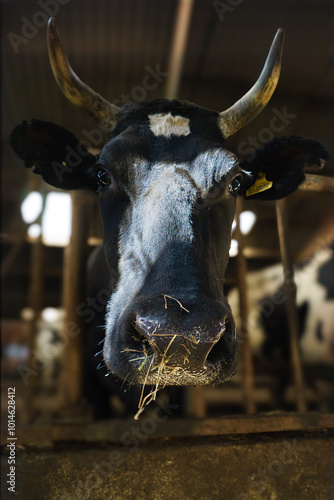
column 111, row 42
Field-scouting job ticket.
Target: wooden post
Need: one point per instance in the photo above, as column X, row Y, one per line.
column 10, row 257
column 195, row 402
column 35, row 294
column 73, row 293
column 291, row 308
column 244, row 346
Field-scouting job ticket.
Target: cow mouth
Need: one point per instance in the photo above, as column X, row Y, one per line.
column 137, row 359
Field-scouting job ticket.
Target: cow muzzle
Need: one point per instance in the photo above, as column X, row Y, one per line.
column 167, row 341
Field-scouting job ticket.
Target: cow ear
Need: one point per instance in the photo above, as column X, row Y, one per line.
column 55, row 154
column 276, row 168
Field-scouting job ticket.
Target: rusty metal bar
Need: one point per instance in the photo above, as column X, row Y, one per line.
column 244, row 346
column 318, row 183
column 291, row 307
column 73, row 293
column 180, row 36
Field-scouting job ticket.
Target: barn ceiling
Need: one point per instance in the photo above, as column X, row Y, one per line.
column 112, row 43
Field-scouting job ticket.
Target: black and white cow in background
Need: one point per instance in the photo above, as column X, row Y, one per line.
column 267, row 323
column 166, row 236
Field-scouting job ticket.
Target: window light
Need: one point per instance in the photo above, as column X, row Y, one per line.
column 57, row 219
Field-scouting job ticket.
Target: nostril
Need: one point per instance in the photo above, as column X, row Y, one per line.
column 135, row 335
column 216, row 354
column 139, row 348
column 222, row 349
column 135, row 338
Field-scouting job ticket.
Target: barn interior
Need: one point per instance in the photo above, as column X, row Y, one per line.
column 210, row 53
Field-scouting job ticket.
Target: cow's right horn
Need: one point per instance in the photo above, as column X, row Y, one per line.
column 80, row 94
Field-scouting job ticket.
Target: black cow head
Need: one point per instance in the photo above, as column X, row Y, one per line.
column 167, row 192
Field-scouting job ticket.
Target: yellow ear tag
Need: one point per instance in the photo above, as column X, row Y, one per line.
column 261, row 184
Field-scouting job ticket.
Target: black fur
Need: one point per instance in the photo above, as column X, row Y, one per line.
column 45, row 146
column 325, row 278
column 282, row 160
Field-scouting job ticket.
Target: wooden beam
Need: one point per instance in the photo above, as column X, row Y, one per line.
column 180, row 36
column 317, row 183
column 261, row 253
column 113, row 431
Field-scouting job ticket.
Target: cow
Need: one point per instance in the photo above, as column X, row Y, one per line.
column 167, row 189
column 267, row 323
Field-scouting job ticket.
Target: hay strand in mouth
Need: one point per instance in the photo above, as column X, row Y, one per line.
column 141, row 404
column 173, row 298
column 131, row 350
column 151, row 396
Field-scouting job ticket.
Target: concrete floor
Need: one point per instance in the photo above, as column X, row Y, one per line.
column 263, row 466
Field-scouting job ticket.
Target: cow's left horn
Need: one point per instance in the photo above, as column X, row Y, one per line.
column 250, row 105
column 73, row 88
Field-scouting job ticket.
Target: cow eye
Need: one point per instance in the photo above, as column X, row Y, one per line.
column 103, row 178
column 235, row 184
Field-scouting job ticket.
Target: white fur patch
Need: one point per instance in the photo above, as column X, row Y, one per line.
column 167, row 125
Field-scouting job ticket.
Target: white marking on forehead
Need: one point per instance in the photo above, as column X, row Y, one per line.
column 165, row 124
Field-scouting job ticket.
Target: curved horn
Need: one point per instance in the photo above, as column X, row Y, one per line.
column 250, row 105
column 72, row 87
